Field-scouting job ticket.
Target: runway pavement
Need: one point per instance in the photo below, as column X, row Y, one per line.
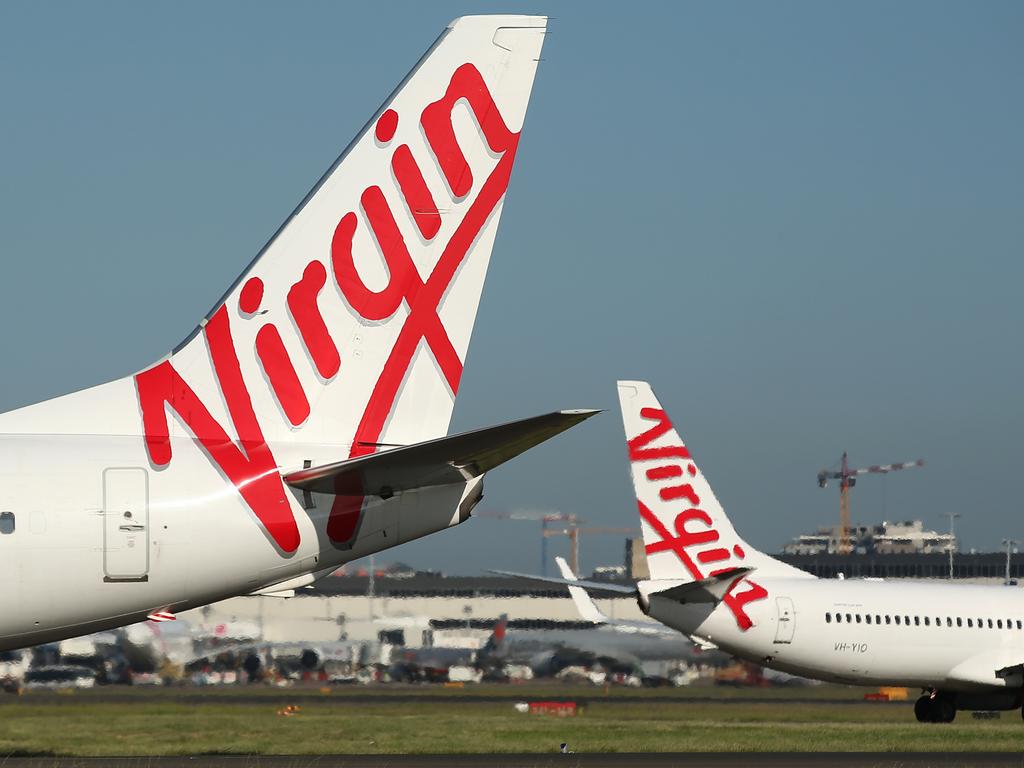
column 553, row 760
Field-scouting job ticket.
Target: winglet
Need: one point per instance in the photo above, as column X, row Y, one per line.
column 585, row 605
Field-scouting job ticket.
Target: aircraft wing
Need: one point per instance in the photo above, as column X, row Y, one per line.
column 446, row 460
column 1002, row 668
column 595, row 586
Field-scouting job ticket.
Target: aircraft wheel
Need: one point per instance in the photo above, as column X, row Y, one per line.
column 944, row 708
column 924, row 709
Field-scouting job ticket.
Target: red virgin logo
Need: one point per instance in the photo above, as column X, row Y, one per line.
column 696, row 543
column 249, row 464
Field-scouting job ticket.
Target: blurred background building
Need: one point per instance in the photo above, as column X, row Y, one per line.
column 908, row 537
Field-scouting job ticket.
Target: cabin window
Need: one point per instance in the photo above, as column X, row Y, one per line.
column 949, row 622
column 970, row 624
column 926, row 621
column 828, row 618
column 878, row 619
column 839, row 618
column 1018, row 623
column 959, row 621
column 867, row 618
column 857, row 616
column 906, row 620
column 999, row 623
column 6, row 523
column 981, row 623
column 990, row 623
column 917, row 621
column 897, row 621
column 888, row 619
column 849, row 619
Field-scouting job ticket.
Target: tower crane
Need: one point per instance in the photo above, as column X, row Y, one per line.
column 847, row 479
column 573, row 531
column 546, row 519
column 556, row 524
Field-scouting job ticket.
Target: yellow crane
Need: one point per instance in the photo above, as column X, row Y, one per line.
column 556, row 524
column 847, row 479
column 573, row 532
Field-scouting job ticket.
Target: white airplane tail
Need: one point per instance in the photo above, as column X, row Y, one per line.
column 354, row 320
column 349, row 330
column 687, row 535
column 352, row 325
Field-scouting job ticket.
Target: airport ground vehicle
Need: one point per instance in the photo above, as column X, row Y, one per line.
column 13, row 666
column 60, row 676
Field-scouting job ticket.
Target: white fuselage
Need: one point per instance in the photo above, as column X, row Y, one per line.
column 865, row 632
column 74, row 565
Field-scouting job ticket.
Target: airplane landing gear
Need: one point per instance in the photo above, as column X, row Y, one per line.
column 923, row 709
column 945, row 708
column 935, row 708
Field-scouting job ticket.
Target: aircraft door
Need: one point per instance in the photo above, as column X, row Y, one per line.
column 787, row 620
column 125, row 524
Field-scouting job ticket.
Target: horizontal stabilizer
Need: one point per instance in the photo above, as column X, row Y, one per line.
column 443, row 461
column 590, row 586
column 709, row 590
column 1013, row 674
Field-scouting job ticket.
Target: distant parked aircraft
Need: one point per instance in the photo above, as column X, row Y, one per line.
column 615, row 643
column 432, row 663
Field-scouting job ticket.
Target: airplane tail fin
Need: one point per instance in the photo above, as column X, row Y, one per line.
column 495, row 645
column 584, row 603
column 353, row 322
column 349, row 330
column 687, row 534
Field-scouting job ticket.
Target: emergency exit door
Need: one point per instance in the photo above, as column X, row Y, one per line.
column 125, row 524
column 786, row 620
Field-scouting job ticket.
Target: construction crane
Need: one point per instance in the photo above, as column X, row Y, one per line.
column 573, row 531
column 556, row 524
column 847, row 479
column 546, row 520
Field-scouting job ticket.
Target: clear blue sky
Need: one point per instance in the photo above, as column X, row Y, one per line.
column 803, row 222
